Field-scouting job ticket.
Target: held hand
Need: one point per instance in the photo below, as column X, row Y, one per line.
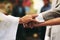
column 27, row 18
column 32, row 24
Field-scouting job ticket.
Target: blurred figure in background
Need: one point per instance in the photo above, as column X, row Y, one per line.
column 9, row 8
column 47, row 5
column 2, row 6
column 19, row 11
column 27, row 4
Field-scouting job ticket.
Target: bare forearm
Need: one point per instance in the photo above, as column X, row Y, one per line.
column 55, row 21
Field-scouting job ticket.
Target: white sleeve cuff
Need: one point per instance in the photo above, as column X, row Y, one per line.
column 14, row 19
column 39, row 18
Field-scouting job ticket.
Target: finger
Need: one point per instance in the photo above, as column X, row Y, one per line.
column 34, row 15
column 30, row 25
column 40, row 24
column 24, row 25
column 34, row 20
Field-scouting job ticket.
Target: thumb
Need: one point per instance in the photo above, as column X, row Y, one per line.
column 34, row 20
column 34, row 16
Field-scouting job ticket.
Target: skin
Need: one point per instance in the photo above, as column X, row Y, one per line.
column 55, row 21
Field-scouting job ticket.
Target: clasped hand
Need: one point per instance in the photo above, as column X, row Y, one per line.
column 29, row 21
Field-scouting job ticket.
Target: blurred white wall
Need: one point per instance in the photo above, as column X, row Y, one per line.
column 37, row 5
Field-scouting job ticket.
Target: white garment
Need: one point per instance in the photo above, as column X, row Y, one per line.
column 55, row 32
column 8, row 27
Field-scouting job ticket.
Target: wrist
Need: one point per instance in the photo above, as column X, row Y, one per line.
column 21, row 21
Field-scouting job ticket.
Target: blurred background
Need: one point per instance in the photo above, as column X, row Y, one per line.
column 20, row 8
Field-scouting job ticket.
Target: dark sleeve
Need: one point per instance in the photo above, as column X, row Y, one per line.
column 41, row 10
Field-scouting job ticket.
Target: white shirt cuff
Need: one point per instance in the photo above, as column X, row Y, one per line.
column 14, row 19
column 39, row 18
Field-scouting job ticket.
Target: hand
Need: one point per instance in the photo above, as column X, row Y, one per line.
column 27, row 18
column 32, row 24
column 37, row 24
